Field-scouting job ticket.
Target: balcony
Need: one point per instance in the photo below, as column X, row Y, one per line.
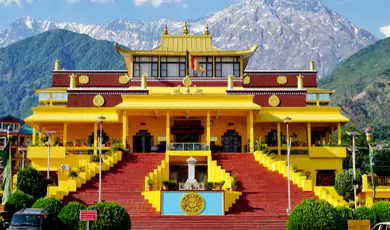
column 327, row 152
column 42, row 151
column 189, row 147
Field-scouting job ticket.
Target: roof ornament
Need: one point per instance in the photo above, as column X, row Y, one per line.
column 206, row 31
column 165, row 32
column 185, row 29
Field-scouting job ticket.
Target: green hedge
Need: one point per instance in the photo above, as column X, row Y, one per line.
column 30, row 181
column 364, row 213
column 111, row 216
column 382, row 211
column 345, row 215
column 313, row 214
column 53, row 207
column 70, row 215
column 17, row 201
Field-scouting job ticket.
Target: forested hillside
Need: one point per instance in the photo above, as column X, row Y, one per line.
column 26, row 65
column 362, row 84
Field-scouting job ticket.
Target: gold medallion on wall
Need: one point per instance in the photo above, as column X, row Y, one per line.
column 274, row 101
column 192, row 203
column 246, row 80
column 124, row 79
column 281, row 80
column 98, row 100
column 84, row 79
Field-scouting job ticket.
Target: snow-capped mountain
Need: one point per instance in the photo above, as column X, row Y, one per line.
column 289, row 32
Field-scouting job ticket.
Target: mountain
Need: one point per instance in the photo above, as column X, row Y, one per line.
column 362, row 84
column 290, row 32
column 26, row 65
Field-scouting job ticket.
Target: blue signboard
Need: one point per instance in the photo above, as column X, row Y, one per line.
column 181, row 203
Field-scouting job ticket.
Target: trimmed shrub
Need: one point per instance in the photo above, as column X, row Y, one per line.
column 110, row 216
column 345, row 215
column 70, row 215
column 382, row 211
column 314, row 214
column 53, row 207
column 30, row 181
column 364, row 213
column 18, row 200
column 343, row 183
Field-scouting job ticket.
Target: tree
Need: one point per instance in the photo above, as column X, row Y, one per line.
column 343, row 183
column 382, row 211
column 30, row 181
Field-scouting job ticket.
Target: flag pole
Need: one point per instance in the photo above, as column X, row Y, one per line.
column 187, row 62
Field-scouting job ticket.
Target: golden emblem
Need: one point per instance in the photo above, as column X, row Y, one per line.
column 246, row 80
column 98, row 100
column 281, row 80
column 84, row 79
column 274, row 101
column 192, row 203
column 124, row 79
column 187, row 83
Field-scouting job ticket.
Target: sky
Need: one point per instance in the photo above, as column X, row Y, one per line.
column 372, row 15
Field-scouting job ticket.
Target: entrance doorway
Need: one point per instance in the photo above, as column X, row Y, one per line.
column 325, row 177
column 231, row 142
column 187, row 131
column 143, row 142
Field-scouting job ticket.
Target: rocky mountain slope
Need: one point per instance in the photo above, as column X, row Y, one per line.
column 290, row 32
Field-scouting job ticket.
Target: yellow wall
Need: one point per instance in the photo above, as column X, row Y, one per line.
column 220, row 126
column 156, row 127
column 305, row 163
column 79, row 131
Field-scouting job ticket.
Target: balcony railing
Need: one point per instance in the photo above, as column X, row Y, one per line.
column 188, row 147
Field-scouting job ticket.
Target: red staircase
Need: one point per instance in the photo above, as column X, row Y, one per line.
column 262, row 206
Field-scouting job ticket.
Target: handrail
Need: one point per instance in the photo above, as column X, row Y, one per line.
column 188, row 146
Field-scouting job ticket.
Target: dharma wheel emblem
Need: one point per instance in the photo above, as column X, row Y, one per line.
column 274, row 101
column 192, row 203
column 281, row 80
column 98, row 100
column 84, row 79
column 246, row 80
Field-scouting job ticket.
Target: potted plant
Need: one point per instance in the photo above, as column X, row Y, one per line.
column 69, row 144
column 56, row 141
column 77, row 143
column 209, row 186
column 72, row 174
column 94, row 158
column 150, row 184
column 165, row 185
column 234, row 182
column 192, row 187
column 220, row 185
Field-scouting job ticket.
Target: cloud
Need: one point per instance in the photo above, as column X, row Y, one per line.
column 93, row 1
column 385, row 30
column 155, row 3
column 8, row 2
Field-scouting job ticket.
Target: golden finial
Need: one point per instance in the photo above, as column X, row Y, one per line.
column 165, row 32
column 185, row 29
column 206, row 31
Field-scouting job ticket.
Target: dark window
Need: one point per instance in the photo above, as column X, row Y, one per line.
column 225, row 66
column 173, row 67
column 231, row 142
column 145, row 65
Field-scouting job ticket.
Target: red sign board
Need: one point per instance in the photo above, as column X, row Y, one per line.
column 88, row 215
